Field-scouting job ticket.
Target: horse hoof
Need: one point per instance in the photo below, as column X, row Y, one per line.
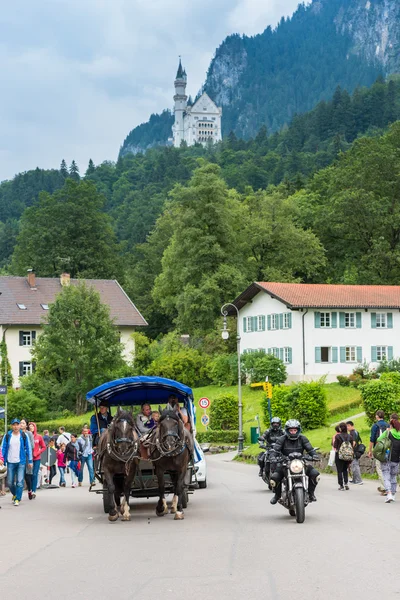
column 160, row 514
column 179, row 516
column 126, row 518
column 113, row 518
column 172, row 510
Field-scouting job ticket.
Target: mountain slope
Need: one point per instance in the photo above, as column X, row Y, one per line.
column 268, row 78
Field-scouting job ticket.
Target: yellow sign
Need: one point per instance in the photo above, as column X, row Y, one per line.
column 269, row 389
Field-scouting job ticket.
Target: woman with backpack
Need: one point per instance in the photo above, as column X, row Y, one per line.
column 390, row 466
column 344, row 447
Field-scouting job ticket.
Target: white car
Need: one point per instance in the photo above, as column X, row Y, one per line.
column 201, row 467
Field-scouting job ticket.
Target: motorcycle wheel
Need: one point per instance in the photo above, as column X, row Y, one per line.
column 299, row 502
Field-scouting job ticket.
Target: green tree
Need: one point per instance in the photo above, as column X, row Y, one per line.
column 6, row 377
column 90, row 169
column 64, row 169
column 79, row 347
column 67, row 231
column 74, row 171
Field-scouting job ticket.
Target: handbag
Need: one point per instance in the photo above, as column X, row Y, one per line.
column 331, row 461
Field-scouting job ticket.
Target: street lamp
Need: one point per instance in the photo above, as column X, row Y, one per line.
column 225, row 336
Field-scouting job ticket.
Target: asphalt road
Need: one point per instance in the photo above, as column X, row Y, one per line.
column 232, row 545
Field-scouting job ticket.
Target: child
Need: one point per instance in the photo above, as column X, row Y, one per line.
column 72, row 455
column 155, row 417
column 61, row 464
column 53, row 469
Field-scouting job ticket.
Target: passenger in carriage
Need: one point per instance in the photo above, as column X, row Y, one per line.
column 104, row 419
column 144, row 422
column 173, row 404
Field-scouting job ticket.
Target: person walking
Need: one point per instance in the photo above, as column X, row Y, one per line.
column 46, row 436
column 377, row 429
column 63, row 438
column 85, row 443
column 72, row 457
column 3, row 474
column 61, row 464
column 28, row 470
column 17, row 454
column 355, row 465
column 390, row 467
column 39, row 448
column 344, row 455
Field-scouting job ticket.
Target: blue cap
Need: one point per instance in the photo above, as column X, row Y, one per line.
column 15, row 421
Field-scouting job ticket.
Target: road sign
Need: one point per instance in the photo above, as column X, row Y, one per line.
column 3, row 389
column 205, row 419
column 2, row 413
column 204, row 403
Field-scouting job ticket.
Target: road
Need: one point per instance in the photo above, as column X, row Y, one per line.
column 232, row 545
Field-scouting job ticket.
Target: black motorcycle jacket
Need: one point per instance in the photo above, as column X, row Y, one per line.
column 287, row 446
column 271, row 435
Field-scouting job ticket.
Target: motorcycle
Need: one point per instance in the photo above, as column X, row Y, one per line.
column 295, row 484
column 269, row 457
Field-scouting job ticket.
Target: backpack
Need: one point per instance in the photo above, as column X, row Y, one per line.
column 346, row 451
column 382, row 448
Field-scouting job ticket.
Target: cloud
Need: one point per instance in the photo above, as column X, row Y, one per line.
column 78, row 75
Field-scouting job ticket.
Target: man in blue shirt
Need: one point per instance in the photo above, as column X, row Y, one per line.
column 17, row 455
column 104, row 419
column 377, row 429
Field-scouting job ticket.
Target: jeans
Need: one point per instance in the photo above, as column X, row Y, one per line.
column 16, row 472
column 389, row 472
column 88, row 461
column 355, row 469
column 73, row 469
column 35, row 474
column 52, row 473
column 61, row 470
column 342, row 467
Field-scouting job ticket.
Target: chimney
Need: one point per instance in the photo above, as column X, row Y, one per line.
column 65, row 279
column 31, row 279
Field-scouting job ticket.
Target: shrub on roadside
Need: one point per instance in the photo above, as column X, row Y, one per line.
column 187, row 365
column 24, row 404
column 380, row 395
column 218, row 436
column 258, row 365
column 304, row 401
column 343, row 380
column 224, row 413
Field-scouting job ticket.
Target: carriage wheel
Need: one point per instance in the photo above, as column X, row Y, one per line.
column 106, row 504
column 185, row 499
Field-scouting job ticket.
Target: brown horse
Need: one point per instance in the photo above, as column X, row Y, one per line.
column 118, row 455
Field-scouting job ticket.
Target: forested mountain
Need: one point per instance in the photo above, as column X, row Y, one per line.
column 268, row 78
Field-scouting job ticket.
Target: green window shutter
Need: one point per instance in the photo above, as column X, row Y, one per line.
column 374, row 357
column 33, row 366
column 390, row 320
column 342, row 320
column 21, row 338
column 390, row 352
column 281, row 353
column 290, row 320
column 334, row 354
column 21, row 368
column 373, row 320
column 317, row 354
column 33, row 336
column 269, row 322
column 359, row 354
column 317, row 319
column 334, row 319
column 358, row 320
column 290, row 356
column 244, row 324
column 254, row 326
column 281, row 321
column 263, row 323
column 342, row 354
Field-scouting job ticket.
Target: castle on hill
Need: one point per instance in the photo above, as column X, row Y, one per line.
column 194, row 124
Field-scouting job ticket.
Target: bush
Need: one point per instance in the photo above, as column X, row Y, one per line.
column 218, row 436
column 224, row 413
column 224, row 369
column 303, row 401
column 258, row 365
column 186, row 365
column 343, row 380
column 391, row 377
column 281, row 404
column 24, row 404
column 380, row 395
column 386, row 366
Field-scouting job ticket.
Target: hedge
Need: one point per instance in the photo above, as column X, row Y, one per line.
column 218, row 436
column 303, row 401
column 380, row 395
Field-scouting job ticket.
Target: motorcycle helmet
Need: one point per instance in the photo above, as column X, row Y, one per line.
column 275, row 423
column 292, row 424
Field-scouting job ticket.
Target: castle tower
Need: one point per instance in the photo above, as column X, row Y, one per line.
column 180, row 103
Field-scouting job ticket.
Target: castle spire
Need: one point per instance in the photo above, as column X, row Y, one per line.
column 180, row 73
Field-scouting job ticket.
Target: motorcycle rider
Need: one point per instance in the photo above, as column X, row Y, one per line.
column 294, row 441
column 269, row 436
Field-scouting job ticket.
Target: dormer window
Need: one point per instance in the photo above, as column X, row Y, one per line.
column 45, row 306
column 21, row 306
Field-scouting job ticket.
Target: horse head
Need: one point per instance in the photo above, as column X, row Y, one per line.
column 123, row 436
column 171, row 430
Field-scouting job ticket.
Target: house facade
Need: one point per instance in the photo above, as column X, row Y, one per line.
column 320, row 330
column 24, row 302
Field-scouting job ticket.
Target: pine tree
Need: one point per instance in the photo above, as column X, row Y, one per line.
column 91, row 168
column 64, row 169
column 74, row 171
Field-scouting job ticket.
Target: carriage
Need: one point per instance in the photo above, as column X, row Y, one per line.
column 134, row 391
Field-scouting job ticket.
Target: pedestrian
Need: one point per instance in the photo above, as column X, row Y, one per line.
column 377, row 429
column 61, row 464
column 72, row 456
column 28, row 470
column 390, row 467
column 39, row 448
column 46, row 436
column 355, row 465
column 3, row 475
column 344, row 455
column 54, row 437
column 85, row 443
column 17, row 454
column 53, row 468
column 63, row 438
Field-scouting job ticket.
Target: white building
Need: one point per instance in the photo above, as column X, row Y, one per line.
column 321, row 329
column 198, row 123
column 24, row 302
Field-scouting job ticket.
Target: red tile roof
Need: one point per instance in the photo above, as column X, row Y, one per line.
column 310, row 295
column 16, row 290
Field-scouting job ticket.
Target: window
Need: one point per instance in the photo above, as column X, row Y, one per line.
column 26, row 338
column 380, row 320
column 25, row 368
column 381, row 353
column 21, row 306
column 45, row 306
column 325, row 354
column 274, row 322
column 260, row 323
column 325, row 319
column 249, row 323
column 351, row 354
column 275, row 352
column 287, row 320
column 350, row 320
column 287, row 356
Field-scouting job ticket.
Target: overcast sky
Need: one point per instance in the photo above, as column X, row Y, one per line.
column 77, row 75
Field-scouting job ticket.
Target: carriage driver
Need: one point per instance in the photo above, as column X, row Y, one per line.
column 104, row 417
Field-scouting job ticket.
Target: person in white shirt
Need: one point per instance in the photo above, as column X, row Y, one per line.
column 17, row 454
column 63, row 438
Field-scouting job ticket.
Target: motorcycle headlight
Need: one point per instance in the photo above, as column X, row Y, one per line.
column 296, row 466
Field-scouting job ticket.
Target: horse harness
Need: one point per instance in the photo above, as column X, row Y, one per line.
column 112, row 446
